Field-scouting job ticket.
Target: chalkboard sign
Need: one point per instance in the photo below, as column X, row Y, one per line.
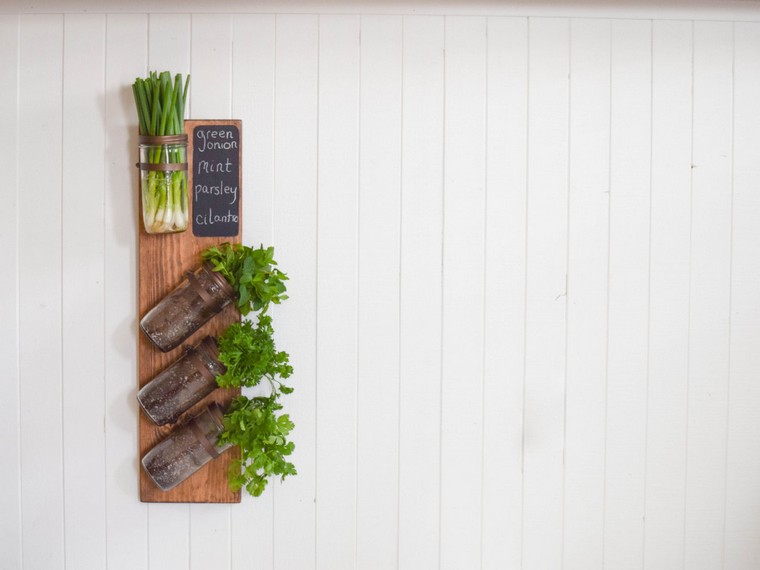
column 215, row 178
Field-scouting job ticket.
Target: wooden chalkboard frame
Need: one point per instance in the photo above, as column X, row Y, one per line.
column 163, row 261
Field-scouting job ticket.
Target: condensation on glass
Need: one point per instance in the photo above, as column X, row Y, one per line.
column 186, row 449
column 183, row 384
column 200, row 296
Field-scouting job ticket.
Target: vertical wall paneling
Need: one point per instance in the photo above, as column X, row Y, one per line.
column 83, row 289
column 169, row 45
column 588, row 227
column 421, row 280
column 669, row 299
column 523, row 316
column 463, row 292
column 742, row 549
column 211, row 66
column 378, row 317
column 547, row 292
column 709, row 294
column 253, row 72
column 253, row 64
column 337, row 280
column 504, row 332
column 628, row 334
column 39, row 234
column 10, row 476
column 169, row 49
column 295, row 235
column 126, row 518
column 211, row 98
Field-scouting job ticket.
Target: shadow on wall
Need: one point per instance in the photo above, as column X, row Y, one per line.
column 122, row 150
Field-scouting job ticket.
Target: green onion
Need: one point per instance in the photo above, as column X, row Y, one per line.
column 160, row 103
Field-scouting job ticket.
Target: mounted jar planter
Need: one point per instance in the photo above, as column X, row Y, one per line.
column 186, row 449
column 202, row 294
column 163, row 183
column 179, row 387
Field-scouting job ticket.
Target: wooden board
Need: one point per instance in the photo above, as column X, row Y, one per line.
column 163, row 260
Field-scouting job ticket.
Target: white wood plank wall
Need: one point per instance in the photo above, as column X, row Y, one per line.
column 525, row 289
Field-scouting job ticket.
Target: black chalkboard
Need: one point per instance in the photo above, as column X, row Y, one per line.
column 215, row 179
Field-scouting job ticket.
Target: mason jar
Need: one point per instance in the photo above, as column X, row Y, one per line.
column 201, row 295
column 163, row 183
column 186, row 382
column 186, row 449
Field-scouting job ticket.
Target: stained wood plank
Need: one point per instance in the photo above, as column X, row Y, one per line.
column 163, row 261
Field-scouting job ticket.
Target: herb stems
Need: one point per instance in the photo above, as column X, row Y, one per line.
column 160, row 104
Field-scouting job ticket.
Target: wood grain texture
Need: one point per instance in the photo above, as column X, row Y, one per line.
column 163, row 261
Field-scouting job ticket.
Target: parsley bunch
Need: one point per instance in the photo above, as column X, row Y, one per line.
column 249, row 354
column 252, row 274
column 254, row 426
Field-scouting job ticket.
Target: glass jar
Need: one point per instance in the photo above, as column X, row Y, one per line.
column 202, row 294
column 186, row 449
column 163, row 183
column 179, row 387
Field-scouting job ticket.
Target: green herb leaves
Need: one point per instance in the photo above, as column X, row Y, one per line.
column 251, row 272
column 254, row 426
column 249, row 354
column 161, row 103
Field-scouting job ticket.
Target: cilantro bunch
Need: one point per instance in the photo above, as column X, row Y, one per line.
column 254, row 426
column 249, row 354
column 251, row 272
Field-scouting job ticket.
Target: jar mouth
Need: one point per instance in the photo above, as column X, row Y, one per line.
column 209, row 348
column 219, row 278
column 217, row 414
